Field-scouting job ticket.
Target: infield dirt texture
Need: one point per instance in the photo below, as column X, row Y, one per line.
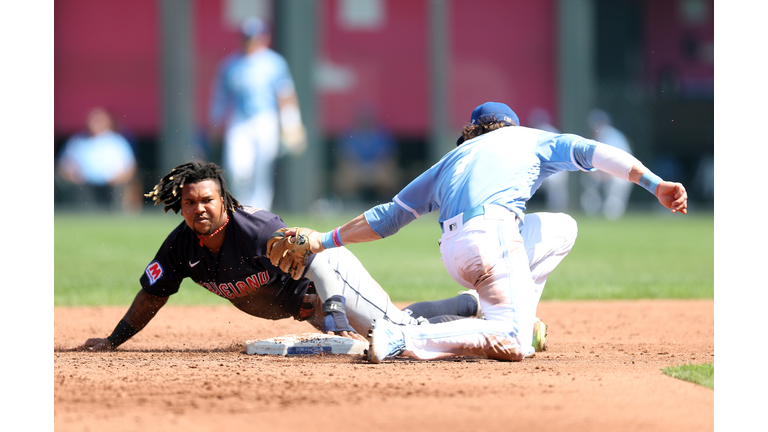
column 188, row 371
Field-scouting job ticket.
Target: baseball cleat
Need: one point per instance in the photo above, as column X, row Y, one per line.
column 473, row 293
column 540, row 331
column 386, row 341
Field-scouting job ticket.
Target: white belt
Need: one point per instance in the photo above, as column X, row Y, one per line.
column 455, row 223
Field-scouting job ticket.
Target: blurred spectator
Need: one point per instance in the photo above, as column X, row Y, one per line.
column 366, row 161
column 704, row 178
column 604, row 193
column 97, row 167
column 254, row 96
column 555, row 187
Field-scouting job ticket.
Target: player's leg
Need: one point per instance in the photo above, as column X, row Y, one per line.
column 238, row 159
column 265, row 137
column 365, row 300
column 548, row 238
column 464, row 305
column 496, row 265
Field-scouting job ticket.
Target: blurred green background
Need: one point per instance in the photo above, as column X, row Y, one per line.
column 100, row 258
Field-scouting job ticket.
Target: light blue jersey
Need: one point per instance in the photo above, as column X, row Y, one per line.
column 249, row 84
column 100, row 158
column 503, row 167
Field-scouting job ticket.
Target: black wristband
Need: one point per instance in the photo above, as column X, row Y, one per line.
column 122, row 333
column 335, row 319
column 334, row 304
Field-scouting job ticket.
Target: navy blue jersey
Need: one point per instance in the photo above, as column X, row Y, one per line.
column 239, row 271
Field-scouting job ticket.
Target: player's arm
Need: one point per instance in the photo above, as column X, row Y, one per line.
column 358, row 230
column 145, row 306
column 621, row 164
column 382, row 220
column 293, row 133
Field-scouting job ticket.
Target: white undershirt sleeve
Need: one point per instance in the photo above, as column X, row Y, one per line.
column 614, row 161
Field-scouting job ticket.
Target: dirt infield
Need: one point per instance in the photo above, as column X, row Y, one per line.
column 188, row 371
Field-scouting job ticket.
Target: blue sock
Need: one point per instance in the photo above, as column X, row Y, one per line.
column 462, row 306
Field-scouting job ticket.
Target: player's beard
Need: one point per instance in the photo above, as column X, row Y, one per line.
column 204, row 233
column 213, row 226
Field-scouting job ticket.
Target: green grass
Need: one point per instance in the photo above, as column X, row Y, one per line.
column 98, row 260
column 703, row 374
column 654, row 256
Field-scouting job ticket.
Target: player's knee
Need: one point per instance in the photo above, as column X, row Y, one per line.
column 572, row 228
column 568, row 230
column 507, row 350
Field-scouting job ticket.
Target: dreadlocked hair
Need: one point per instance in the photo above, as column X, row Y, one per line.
column 482, row 126
column 168, row 191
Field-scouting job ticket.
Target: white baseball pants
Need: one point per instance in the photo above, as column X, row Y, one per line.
column 365, row 299
column 508, row 267
column 250, row 149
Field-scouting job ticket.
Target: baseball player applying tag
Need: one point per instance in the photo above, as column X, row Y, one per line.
column 480, row 190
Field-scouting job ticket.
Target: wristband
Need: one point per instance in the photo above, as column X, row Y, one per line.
column 332, row 239
column 122, row 333
column 650, row 182
column 335, row 319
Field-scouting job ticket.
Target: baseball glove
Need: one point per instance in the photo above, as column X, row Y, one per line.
column 290, row 254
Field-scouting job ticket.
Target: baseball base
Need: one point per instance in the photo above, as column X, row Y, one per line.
column 306, row 344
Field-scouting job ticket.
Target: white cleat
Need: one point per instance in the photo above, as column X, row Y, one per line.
column 386, row 341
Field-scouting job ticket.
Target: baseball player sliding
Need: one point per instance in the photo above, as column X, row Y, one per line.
column 221, row 245
column 481, row 189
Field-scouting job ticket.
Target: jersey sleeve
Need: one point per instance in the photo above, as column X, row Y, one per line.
column 565, row 152
column 283, row 85
column 414, row 200
column 269, row 228
column 387, row 219
column 164, row 273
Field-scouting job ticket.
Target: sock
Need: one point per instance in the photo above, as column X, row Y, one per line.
column 444, row 319
column 461, row 305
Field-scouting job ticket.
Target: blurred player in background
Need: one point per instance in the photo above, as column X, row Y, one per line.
column 366, row 158
column 98, row 166
column 254, row 96
column 221, row 245
column 604, row 193
column 481, row 189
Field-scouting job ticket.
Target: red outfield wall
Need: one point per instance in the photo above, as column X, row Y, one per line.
column 108, row 53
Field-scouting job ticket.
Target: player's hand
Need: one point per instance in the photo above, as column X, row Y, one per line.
column 295, row 139
column 673, row 196
column 95, row 344
column 349, row 334
column 315, row 240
